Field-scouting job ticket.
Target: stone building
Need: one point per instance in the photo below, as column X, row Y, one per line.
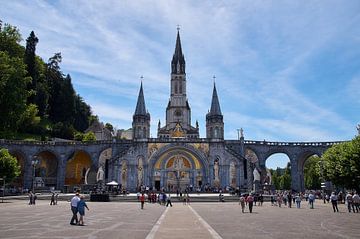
column 175, row 160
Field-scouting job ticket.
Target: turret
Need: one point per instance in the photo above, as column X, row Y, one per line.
column 141, row 118
column 214, row 119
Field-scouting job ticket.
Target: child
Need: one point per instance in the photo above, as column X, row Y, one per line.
column 81, row 209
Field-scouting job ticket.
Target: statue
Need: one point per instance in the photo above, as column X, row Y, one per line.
column 100, row 174
column 216, row 170
column 358, row 129
column 241, row 133
column 256, row 175
column 140, row 175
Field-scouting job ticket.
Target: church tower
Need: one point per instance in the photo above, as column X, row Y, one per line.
column 214, row 119
column 178, row 112
column 141, row 118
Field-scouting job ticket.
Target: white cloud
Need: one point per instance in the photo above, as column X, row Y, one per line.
column 258, row 50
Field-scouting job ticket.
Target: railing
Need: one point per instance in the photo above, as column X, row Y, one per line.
column 169, row 140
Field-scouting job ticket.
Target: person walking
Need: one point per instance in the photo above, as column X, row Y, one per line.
column 334, row 200
column 74, row 204
column 52, row 199
column 349, row 201
column 289, row 197
column 31, row 196
column 356, row 201
column 242, row 203
column 298, row 200
column 261, row 199
column 142, row 200
column 168, row 200
column 250, row 201
column 81, row 208
column 279, row 199
column 311, row 200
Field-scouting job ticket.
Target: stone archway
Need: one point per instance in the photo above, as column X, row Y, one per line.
column 104, row 158
column 300, row 167
column 46, row 170
column 20, row 157
column 79, row 168
column 178, row 168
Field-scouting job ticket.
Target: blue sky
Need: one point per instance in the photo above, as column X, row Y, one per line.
column 285, row 70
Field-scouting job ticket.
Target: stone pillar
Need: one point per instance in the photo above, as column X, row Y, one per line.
column 295, row 176
column 28, row 172
column 61, row 172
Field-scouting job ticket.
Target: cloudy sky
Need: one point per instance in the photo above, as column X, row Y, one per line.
column 285, row 70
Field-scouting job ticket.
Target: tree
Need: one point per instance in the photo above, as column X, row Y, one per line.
column 82, row 114
column 13, row 93
column 9, row 166
column 10, row 39
column 29, row 59
column 312, row 177
column 109, row 127
column 90, row 136
column 341, row 164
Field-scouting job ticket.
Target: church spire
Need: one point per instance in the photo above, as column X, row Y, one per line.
column 214, row 119
column 141, row 119
column 178, row 60
column 215, row 106
column 140, row 105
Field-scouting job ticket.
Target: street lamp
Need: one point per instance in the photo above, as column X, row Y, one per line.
column 34, row 162
column 323, row 185
column 3, row 192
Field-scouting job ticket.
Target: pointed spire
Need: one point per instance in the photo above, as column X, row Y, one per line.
column 215, row 106
column 140, row 105
column 178, row 60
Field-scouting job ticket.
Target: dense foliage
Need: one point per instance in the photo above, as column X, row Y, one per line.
column 9, row 167
column 312, row 173
column 36, row 97
column 341, row 164
column 281, row 178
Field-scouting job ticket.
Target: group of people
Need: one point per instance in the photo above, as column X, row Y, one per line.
column 162, row 198
column 78, row 205
column 54, row 199
column 32, row 198
column 288, row 199
column 352, row 200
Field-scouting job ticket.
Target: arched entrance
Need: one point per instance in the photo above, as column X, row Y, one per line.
column 19, row 181
column 308, row 175
column 178, row 168
column 280, row 170
column 77, row 168
column 46, row 170
column 104, row 162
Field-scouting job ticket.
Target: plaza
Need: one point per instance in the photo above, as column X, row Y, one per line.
column 197, row 220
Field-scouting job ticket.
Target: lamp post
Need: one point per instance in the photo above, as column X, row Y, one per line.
column 3, row 192
column 34, row 162
column 323, row 186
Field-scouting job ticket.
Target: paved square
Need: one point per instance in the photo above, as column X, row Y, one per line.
column 199, row 220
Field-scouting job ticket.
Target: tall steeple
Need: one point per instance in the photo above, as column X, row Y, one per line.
column 178, row 112
column 214, row 119
column 140, row 105
column 141, row 118
column 178, row 60
column 215, row 106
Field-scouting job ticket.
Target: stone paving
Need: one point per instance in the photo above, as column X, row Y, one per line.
column 198, row 220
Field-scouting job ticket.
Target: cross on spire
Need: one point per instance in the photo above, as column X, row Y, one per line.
column 178, row 27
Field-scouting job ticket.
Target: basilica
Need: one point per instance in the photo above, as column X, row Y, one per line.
column 177, row 159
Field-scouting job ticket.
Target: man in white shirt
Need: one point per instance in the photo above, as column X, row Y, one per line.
column 356, row 201
column 74, row 203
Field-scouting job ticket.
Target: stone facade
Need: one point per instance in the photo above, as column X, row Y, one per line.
column 175, row 160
